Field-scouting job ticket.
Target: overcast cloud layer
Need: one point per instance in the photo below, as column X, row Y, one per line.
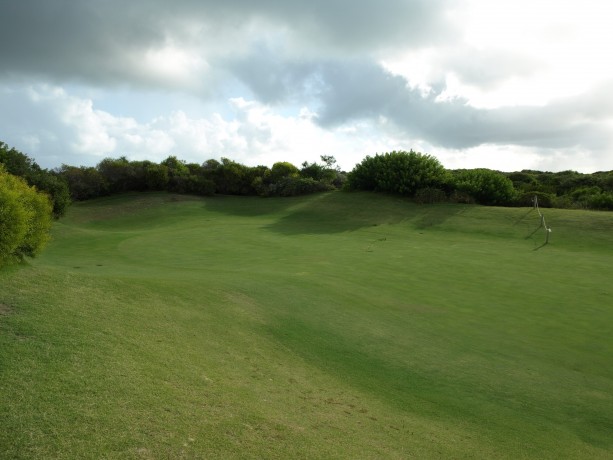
column 522, row 85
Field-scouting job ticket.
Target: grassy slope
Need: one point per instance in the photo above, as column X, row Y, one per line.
column 333, row 326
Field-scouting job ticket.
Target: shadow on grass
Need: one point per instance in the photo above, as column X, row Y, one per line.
column 436, row 214
column 334, row 212
column 523, row 216
column 388, row 380
column 338, row 212
column 541, row 246
column 249, row 206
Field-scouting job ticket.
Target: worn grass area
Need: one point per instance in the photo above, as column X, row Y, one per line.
column 332, row 326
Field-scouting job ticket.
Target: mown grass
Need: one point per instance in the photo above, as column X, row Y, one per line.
column 332, row 326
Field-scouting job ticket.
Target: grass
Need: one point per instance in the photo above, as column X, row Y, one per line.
column 330, row 326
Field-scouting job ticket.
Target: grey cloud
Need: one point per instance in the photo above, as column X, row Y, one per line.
column 362, row 89
column 70, row 39
column 103, row 42
column 326, row 61
column 271, row 75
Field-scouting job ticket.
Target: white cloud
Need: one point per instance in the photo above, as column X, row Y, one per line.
column 474, row 81
column 525, row 52
column 255, row 134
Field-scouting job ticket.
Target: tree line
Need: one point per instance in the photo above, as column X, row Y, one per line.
column 31, row 196
column 423, row 178
column 226, row 177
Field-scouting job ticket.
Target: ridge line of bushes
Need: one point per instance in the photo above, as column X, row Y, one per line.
column 412, row 174
column 30, row 196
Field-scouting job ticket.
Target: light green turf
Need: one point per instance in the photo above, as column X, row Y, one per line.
column 331, row 326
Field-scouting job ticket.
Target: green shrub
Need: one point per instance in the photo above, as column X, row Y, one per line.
column 25, row 219
column 545, row 200
column 20, row 165
column 398, row 172
column 603, row 200
column 485, row 186
column 294, row 186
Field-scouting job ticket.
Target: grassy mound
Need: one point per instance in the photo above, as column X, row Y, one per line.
column 331, row 326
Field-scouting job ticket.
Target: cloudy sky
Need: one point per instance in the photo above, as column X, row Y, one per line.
column 507, row 84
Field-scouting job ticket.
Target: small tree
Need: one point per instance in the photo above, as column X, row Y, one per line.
column 326, row 173
column 282, row 170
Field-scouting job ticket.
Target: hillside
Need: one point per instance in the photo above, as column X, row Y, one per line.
column 339, row 325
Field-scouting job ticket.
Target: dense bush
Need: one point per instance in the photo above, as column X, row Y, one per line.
column 398, row 172
column 410, row 173
column 25, row 218
column 84, row 182
column 19, row 164
column 485, row 186
column 602, row 200
column 592, row 197
column 545, row 200
column 293, row 186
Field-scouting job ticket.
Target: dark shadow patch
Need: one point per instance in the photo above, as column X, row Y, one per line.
column 337, row 212
column 249, row 206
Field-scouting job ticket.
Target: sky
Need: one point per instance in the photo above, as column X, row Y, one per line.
column 506, row 85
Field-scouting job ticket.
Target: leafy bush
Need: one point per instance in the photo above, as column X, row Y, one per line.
column 602, row 200
column 25, row 218
column 485, row 186
column 19, row 164
column 592, row 198
column 545, row 200
column 282, row 170
column 293, row 186
column 84, row 182
column 398, row 172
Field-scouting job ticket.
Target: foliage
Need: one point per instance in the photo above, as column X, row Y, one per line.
column 156, row 177
column 25, row 218
column 84, row 182
column 398, row 172
column 410, row 173
column 566, row 189
column 592, row 198
column 327, row 172
column 294, row 186
column 545, row 200
column 117, row 174
column 19, row 164
column 232, row 178
column 485, row 186
column 282, row 170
